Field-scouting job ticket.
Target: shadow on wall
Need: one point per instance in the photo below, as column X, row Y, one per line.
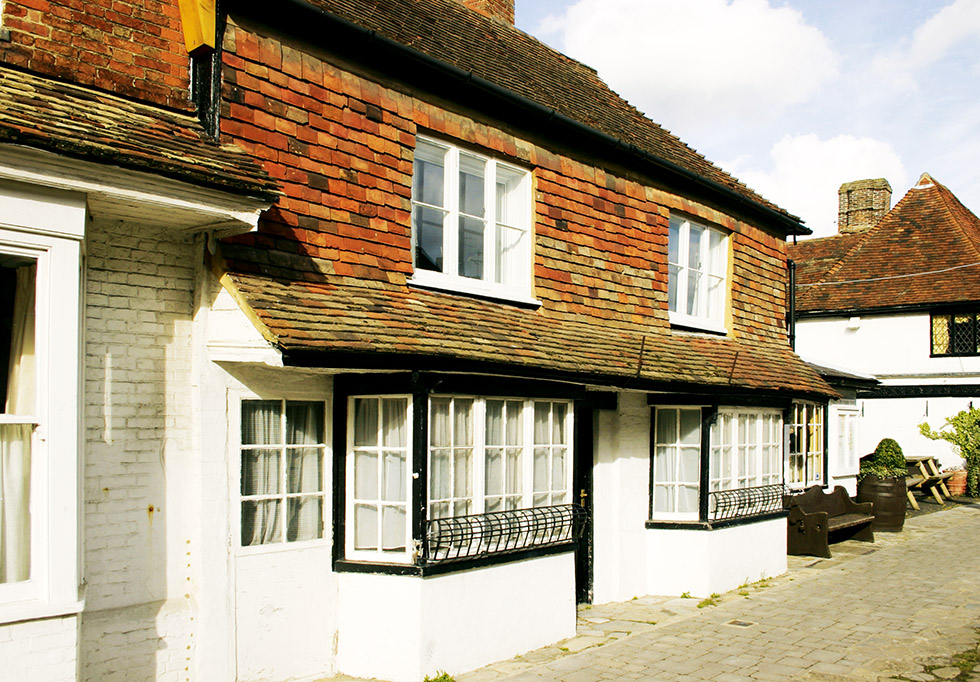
column 139, row 296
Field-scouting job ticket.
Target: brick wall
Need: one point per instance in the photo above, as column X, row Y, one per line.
column 342, row 146
column 39, row 650
column 134, row 48
column 498, row 9
column 138, row 622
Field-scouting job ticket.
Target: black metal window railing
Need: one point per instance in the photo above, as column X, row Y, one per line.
column 470, row 537
column 741, row 502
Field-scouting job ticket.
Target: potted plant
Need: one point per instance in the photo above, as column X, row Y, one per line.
column 881, row 481
column 956, row 484
column 963, row 431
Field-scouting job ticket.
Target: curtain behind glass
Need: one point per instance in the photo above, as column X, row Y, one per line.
column 304, row 473
column 261, row 425
column 15, row 439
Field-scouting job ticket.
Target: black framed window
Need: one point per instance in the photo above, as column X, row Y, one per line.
column 955, row 334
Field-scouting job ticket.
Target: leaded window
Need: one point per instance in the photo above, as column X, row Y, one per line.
column 956, row 334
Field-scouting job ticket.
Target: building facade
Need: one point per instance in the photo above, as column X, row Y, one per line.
column 357, row 349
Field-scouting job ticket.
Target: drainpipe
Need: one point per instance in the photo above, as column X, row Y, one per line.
column 792, row 304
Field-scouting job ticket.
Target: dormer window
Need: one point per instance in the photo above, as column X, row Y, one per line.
column 471, row 222
column 697, row 261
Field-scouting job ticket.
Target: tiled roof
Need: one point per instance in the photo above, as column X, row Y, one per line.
column 509, row 58
column 427, row 329
column 86, row 124
column 925, row 251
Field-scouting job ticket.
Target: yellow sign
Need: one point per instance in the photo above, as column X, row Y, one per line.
column 197, row 19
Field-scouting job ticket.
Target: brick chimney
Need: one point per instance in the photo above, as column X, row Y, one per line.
column 501, row 10
column 862, row 204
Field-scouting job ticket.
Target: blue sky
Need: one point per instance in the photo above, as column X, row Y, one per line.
column 793, row 97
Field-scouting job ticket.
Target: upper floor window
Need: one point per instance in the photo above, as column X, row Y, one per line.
column 282, row 471
column 956, row 334
column 471, row 222
column 697, row 261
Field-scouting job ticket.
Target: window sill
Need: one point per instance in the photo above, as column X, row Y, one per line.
column 20, row 612
column 427, row 570
column 458, row 285
column 698, row 324
column 716, row 525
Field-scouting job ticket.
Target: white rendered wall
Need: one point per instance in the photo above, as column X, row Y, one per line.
column 140, row 480
column 895, row 349
column 631, row 560
column 39, row 650
column 621, row 500
column 403, row 628
column 704, row 562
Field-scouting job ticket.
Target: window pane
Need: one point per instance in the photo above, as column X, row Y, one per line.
column 395, row 422
column 393, row 528
column 260, row 472
column 515, row 424
column 260, row 522
column 687, row 500
column 366, row 422
column 463, row 484
column 663, row 498
column 439, row 477
column 495, row 422
column 690, row 465
column 365, row 526
column 304, row 422
column 665, row 464
column 305, row 518
column 394, row 477
column 471, row 185
column 511, row 258
column 674, row 242
column 540, row 469
column 261, row 422
column 428, row 175
column 515, row 471
column 695, row 248
column 666, row 426
column 463, row 434
column 690, row 426
column 494, row 473
column 15, row 502
column 471, row 231
column 429, row 224
column 559, row 411
column 17, row 331
column 558, row 468
column 365, row 475
column 305, row 472
column 674, row 275
column 542, row 423
column 510, row 206
column 440, row 430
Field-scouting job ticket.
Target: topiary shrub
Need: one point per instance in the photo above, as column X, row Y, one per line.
column 887, row 461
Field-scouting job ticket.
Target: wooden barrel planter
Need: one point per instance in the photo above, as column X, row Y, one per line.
column 956, row 484
column 888, row 497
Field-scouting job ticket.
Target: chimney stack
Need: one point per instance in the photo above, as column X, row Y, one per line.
column 862, row 204
column 501, row 10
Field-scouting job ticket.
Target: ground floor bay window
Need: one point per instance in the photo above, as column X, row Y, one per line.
column 710, row 464
column 435, row 477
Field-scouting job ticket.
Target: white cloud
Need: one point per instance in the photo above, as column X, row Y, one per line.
column 692, row 64
column 807, row 172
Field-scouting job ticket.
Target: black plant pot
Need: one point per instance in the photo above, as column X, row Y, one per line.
column 888, row 497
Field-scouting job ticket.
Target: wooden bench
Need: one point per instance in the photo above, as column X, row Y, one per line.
column 815, row 516
column 929, row 479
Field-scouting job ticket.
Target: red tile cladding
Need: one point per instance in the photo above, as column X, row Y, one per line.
column 133, row 48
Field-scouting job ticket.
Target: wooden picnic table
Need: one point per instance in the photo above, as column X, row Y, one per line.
column 924, row 475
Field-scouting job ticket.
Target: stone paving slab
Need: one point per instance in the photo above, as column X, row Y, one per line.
column 899, row 609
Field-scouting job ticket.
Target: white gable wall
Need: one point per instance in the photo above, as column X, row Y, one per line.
column 895, row 349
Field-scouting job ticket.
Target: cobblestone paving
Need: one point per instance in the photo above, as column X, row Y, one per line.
column 904, row 608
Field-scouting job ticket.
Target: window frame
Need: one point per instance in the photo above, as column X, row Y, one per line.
column 717, row 266
column 846, row 426
column 528, row 445
column 810, row 456
column 379, row 555
column 760, row 477
column 52, row 586
column 974, row 333
column 518, row 286
column 419, row 469
column 283, row 495
column 673, row 514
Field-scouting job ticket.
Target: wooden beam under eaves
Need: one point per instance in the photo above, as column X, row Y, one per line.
column 197, row 20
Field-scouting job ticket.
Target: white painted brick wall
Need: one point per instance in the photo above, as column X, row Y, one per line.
column 39, row 650
column 139, row 617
